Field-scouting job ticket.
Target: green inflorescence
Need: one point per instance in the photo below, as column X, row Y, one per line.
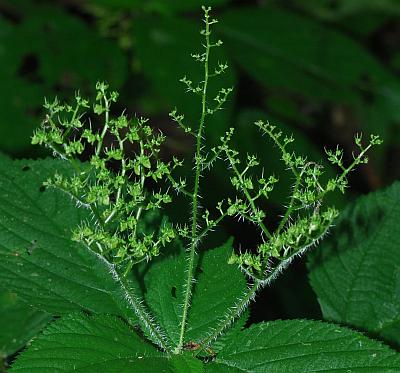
column 111, row 184
column 305, row 220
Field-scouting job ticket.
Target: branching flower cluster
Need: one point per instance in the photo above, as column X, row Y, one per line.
column 305, row 220
column 112, row 186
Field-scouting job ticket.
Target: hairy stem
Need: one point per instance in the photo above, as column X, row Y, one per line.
column 206, row 230
column 123, row 173
column 195, row 196
column 237, row 309
column 289, row 210
column 142, row 180
column 173, row 182
column 144, row 318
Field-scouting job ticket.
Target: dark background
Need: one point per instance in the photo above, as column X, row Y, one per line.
column 320, row 69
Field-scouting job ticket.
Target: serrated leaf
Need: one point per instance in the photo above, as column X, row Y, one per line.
column 214, row 278
column 219, row 285
column 38, row 260
column 356, row 271
column 302, row 346
column 18, row 323
column 80, row 343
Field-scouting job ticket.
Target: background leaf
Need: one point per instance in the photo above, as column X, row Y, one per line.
column 38, row 260
column 164, row 6
column 301, row 346
column 274, row 51
column 292, row 54
column 343, row 8
column 356, row 271
column 62, row 52
column 215, row 277
column 18, row 323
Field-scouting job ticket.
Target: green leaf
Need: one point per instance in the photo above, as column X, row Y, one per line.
column 297, row 56
column 80, row 343
column 297, row 61
column 165, row 282
column 302, row 346
column 38, row 261
column 18, row 323
column 356, row 271
column 61, row 57
column 186, row 364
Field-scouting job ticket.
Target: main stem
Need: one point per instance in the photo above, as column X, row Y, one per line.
column 195, row 197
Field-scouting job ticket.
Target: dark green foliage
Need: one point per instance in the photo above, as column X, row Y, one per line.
column 61, row 52
column 19, row 323
column 355, row 272
column 303, row 346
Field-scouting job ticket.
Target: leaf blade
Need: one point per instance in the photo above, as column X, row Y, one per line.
column 304, row 346
column 356, row 271
column 38, row 260
column 18, row 323
column 84, row 343
column 213, row 278
column 81, row 343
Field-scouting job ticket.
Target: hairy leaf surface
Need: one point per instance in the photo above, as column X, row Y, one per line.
column 80, row 343
column 302, row 346
column 217, row 287
column 356, row 271
column 38, row 260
